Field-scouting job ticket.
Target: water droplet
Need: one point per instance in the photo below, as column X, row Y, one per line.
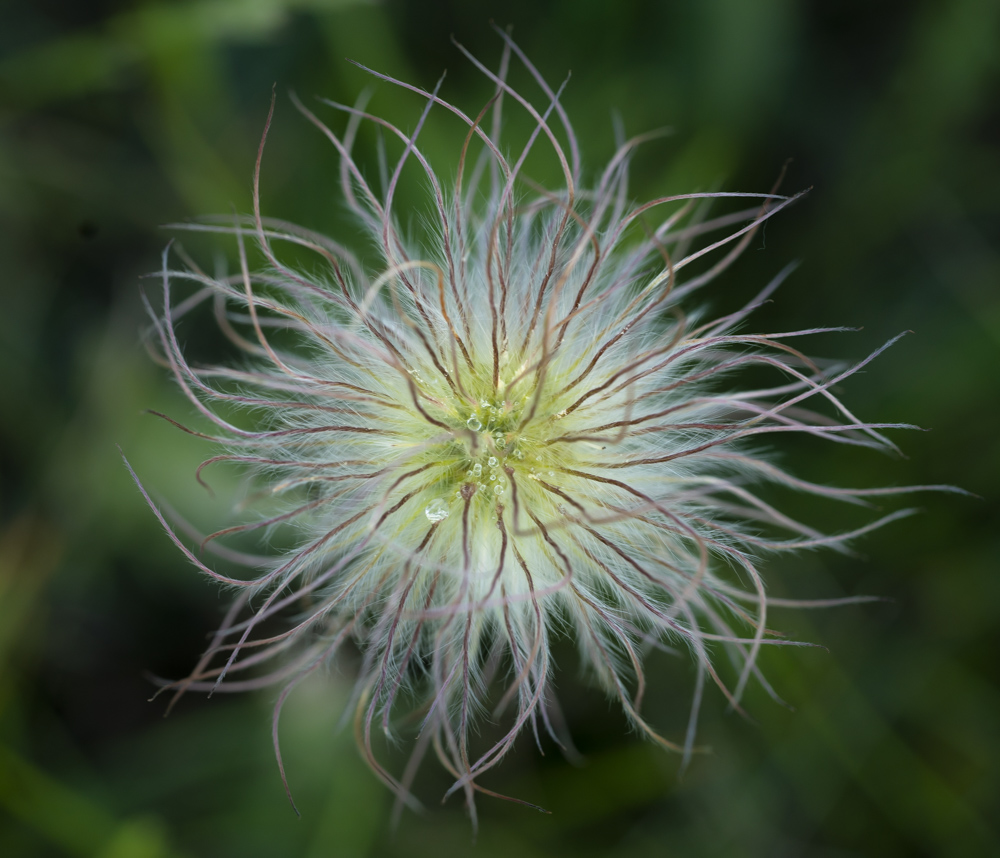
column 473, row 423
column 492, row 461
column 477, row 470
column 498, row 490
column 436, row 510
column 493, row 476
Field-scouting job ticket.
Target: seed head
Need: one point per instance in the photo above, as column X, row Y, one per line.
column 504, row 432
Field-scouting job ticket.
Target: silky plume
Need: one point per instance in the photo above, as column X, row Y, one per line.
column 506, row 432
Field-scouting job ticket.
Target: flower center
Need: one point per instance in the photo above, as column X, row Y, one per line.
column 493, row 439
column 488, row 443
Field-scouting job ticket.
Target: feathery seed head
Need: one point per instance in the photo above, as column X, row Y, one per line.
column 513, row 434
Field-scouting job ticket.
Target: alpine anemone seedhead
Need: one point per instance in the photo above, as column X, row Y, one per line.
column 506, row 433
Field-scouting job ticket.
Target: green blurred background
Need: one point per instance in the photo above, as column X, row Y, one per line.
column 118, row 116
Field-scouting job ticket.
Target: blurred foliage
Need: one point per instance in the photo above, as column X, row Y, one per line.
column 120, row 115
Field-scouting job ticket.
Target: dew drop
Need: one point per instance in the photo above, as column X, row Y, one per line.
column 436, row 510
column 473, row 423
column 498, row 490
column 492, row 461
column 477, row 470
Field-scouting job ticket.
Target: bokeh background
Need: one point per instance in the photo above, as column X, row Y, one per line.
column 118, row 116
